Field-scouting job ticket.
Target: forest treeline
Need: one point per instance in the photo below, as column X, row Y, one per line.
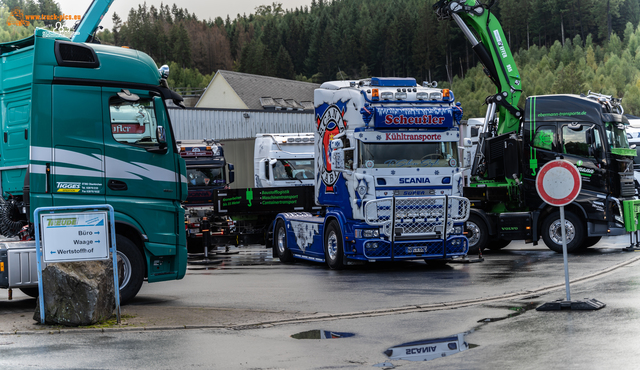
column 559, row 46
column 566, row 46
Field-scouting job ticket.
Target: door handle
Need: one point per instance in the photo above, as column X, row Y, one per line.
column 117, row 185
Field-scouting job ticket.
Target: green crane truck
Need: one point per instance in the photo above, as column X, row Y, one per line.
column 87, row 124
column 587, row 130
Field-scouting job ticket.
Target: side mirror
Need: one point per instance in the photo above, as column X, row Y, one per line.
column 467, row 143
column 273, row 162
column 266, row 168
column 161, row 135
column 589, row 136
column 336, row 144
column 232, row 175
column 337, row 159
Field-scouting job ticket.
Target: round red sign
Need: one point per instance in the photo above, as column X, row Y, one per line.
column 558, row 183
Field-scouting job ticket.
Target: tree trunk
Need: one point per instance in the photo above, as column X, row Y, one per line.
column 580, row 20
column 608, row 21
column 562, row 27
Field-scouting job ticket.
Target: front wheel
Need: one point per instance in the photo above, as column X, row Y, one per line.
column 477, row 233
column 333, row 249
column 284, row 254
column 497, row 244
column 132, row 275
column 591, row 241
column 552, row 232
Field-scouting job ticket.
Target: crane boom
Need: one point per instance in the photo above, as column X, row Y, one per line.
column 494, row 53
column 91, row 20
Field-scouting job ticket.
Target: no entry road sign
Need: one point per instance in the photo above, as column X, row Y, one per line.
column 558, row 182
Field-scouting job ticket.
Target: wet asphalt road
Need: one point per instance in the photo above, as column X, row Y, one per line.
column 515, row 336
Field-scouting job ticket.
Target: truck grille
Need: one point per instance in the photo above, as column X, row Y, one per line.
column 417, row 217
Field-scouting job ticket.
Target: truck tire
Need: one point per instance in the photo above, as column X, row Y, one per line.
column 333, row 249
column 477, row 233
column 497, row 244
column 552, row 233
column 590, row 241
column 31, row 292
column 133, row 268
column 284, row 254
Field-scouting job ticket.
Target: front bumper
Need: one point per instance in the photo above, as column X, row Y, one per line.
column 385, row 250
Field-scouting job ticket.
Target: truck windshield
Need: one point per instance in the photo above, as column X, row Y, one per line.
column 205, row 176
column 616, row 136
column 382, row 155
column 293, row 169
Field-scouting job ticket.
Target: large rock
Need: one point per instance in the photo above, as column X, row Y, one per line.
column 77, row 293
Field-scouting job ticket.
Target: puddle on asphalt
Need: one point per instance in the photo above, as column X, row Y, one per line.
column 516, row 312
column 429, row 349
column 321, row 334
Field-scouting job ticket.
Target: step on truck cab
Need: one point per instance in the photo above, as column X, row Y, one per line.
column 388, row 172
column 86, row 124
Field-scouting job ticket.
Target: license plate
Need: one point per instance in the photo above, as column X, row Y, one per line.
column 416, row 250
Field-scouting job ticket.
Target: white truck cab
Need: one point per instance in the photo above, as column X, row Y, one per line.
column 283, row 160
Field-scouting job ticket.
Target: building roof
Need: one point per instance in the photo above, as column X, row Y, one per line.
column 263, row 92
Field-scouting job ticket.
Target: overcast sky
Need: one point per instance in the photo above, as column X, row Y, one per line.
column 203, row 9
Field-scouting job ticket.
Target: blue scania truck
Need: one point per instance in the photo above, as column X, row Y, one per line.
column 387, row 172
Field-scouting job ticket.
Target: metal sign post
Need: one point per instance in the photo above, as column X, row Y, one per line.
column 82, row 236
column 558, row 183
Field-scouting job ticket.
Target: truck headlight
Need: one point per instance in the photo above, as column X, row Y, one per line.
column 422, row 95
column 435, row 96
column 457, row 229
column 367, row 233
column 401, row 95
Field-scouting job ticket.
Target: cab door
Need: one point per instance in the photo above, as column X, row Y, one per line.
column 77, row 157
column 141, row 173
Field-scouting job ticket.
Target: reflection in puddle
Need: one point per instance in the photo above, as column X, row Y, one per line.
column 321, row 334
column 428, row 349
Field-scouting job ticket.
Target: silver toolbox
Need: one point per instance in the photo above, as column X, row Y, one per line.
column 18, row 264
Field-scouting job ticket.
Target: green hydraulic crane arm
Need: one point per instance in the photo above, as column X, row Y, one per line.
column 494, row 53
column 91, row 20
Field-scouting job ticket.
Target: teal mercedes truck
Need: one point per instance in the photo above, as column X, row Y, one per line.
column 87, row 124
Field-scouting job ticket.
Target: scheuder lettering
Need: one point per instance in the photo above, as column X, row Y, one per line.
column 390, row 119
column 415, row 351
